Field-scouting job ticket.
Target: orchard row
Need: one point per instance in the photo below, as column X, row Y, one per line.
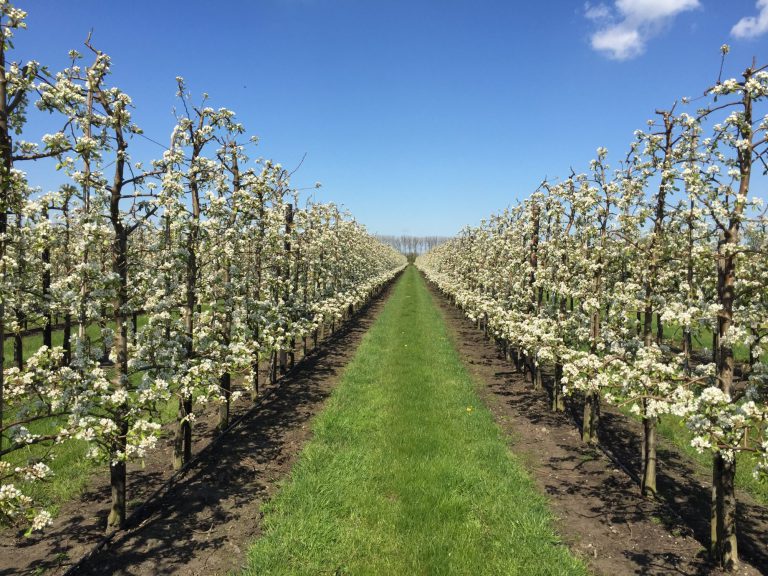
column 589, row 273
column 194, row 269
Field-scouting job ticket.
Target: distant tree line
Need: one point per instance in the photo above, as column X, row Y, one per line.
column 412, row 246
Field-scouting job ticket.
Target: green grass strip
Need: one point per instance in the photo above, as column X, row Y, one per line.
column 407, row 473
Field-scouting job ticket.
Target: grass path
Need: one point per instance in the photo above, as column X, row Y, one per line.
column 407, row 473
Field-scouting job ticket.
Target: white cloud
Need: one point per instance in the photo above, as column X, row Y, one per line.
column 620, row 42
column 596, row 12
column 646, row 10
column 627, row 27
column 752, row 26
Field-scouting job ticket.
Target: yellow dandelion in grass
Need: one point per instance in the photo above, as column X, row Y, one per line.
column 469, row 409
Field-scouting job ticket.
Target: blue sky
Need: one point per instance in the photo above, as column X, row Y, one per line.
column 419, row 116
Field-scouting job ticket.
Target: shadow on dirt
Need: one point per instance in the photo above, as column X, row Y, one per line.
column 205, row 522
column 594, row 491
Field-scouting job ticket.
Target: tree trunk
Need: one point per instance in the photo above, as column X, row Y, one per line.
column 659, row 330
column 648, row 479
column 224, row 409
column 724, row 546
column 67, row 344
column 182, row 445
column 536, row 376
column 724, row 542
column 225, row 381
column 648, row 446
column 591, row 415
column 18, row 342
column 182, row 448
column 135, row 327
column 120, row 267
column 117, row 481
column 591, row 418
column 48, row 322
column 255, row 364
column 288, row 297
column 5, row 198
column 558, row 402
column 273, row 368
column 255, row 379
column 283, row 361
column 687, row 350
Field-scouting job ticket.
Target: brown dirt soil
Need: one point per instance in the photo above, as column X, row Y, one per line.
column 203, row 523
column 595, row 498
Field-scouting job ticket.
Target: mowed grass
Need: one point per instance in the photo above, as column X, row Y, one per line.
column 407, row 473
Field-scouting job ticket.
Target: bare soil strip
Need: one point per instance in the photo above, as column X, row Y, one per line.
column 204, row 523
column 601, row 513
